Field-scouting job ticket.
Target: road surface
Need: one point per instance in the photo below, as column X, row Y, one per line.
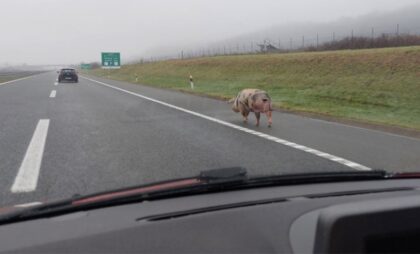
column 58, row 140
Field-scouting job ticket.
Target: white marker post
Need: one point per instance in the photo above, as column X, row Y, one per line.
column 191, row 82
column 137, row 78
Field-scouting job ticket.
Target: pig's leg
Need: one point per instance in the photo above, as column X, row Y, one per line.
column 245, row 115
column 257, row 115
column 235, row 106
column 270, row 119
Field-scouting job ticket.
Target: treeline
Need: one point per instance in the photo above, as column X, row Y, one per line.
column 361, row 42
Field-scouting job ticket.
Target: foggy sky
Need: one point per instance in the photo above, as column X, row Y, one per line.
column 72, row 31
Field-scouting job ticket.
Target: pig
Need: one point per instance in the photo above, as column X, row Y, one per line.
column 253, row 100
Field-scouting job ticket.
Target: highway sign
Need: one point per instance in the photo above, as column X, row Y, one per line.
column 111, row 60
column 85, row 66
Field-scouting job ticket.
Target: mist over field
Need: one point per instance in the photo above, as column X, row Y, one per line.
column 48, row 32
column 289, row 36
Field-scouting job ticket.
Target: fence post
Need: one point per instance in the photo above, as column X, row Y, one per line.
column 373, row 33
column 317, row 40
column 191, row 81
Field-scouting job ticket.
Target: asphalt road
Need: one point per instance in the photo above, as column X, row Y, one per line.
column 99, row 135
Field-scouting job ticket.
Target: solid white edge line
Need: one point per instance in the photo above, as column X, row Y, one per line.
column 318, row 153
column 53, row 94
column 27, row 178
column 14, row 80
column 19, row 79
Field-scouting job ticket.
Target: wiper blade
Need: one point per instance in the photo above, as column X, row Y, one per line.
column 208, row 181
column 23, row 213
column 322, row 177
column 137, row 194
column 235, row 174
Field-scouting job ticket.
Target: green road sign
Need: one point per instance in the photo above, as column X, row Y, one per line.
column 85, row 66
column 111, row 60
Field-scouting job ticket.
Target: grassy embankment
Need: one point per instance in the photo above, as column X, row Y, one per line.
column 374, row 85
column 4, row 77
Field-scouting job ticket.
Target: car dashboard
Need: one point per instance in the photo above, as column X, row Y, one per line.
column 358, row 217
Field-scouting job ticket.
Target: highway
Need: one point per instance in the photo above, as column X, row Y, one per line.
column 58, row 140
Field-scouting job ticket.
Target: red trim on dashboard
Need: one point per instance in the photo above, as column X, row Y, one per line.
column 407, row 175
column 158, row 187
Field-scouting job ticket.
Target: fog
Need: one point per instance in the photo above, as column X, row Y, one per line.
column 72, row 31
column 291, row 36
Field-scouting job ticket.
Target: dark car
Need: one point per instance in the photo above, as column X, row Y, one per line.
column 68, row 74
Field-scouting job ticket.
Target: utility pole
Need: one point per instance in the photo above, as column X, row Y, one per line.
column 291, row 43
column 303, row 42
column 182, row 54
column 373, row 33
column 333, row 38
column 317, row 40
column 252, row 46
column 398, row 29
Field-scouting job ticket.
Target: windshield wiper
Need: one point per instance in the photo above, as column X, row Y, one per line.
column 209, row 181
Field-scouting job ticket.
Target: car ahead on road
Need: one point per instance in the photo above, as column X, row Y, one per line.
column 68, row 74
column 227, row 211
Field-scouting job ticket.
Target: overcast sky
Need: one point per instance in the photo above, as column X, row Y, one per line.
column 71, row 31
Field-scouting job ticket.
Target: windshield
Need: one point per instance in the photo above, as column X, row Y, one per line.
column 165, row 90
column 68, row 71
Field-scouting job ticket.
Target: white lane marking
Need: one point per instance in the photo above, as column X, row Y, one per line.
column 327, row 156
column 27, row 178
column 56, row 83
column 15, row 80
column 53, row 94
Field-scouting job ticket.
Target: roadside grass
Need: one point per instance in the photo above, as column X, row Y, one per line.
column 8, row 77
column 380, row 86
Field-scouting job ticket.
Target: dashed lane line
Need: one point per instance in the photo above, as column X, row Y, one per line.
column 27, row 178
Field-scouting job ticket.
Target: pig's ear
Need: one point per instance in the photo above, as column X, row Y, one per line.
column 254, row 97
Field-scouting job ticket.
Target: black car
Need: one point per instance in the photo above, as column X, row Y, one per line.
column 68, row 74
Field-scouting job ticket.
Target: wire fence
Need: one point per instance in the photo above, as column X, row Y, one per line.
column 371, row 37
